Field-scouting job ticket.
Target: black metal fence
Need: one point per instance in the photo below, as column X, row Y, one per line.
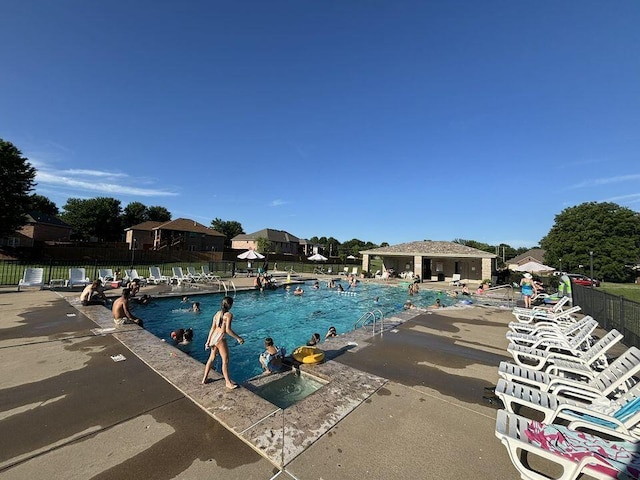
column 11, row 271
column 611, row 311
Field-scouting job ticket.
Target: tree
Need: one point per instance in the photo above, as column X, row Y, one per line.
column 16, row 181
column 230, row 228
column 609, row 231
column 158, row 214
column 95, row 217
column 264, row 245
column 134, row 213
column 42, row 204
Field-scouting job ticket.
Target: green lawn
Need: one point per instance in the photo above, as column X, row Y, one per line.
column 630, row 291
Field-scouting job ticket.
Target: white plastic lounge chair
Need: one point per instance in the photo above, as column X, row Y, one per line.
column 193, row 275
column 156, row 277
column 330, row 271
column 538, row 359
column 576, row 452
column 455, row 280
column 32, row 277
column 77, row 278
column 354, row 271
column 345, row 271
column 132, row 274
column 208, row 274
column 105, row 275
column 180, row 277
column 540, row 315
column 559, row 306
column 576, row 337
column 621, row 415
column 610, row 381
column 548, row 329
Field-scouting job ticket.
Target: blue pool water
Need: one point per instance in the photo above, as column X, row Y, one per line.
column 290, row 320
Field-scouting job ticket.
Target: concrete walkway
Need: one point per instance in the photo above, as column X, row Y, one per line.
column 67, row 409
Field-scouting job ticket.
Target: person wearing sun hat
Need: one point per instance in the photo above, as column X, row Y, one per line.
column 527, row 288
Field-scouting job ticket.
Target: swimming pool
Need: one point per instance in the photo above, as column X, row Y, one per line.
column 290, row 320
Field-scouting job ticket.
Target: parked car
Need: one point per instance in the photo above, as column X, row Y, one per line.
column 583, row 280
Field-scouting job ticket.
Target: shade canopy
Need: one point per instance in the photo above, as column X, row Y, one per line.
column 533, row 267
column 250, row 255
column 351, row 257
column 316, row 257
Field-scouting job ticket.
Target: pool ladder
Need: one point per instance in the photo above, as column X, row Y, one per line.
column 226, row 287
column 375, row 316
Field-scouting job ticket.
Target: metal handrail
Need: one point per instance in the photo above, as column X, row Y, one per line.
column 499, row 288
column 371, row 314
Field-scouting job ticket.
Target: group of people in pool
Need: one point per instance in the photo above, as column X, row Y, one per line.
column 221, row 328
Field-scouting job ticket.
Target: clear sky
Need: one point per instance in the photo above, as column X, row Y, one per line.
column 386, row 121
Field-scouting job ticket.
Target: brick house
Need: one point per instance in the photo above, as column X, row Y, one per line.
column 279, row 241
column 179, row 234
column 39, row 227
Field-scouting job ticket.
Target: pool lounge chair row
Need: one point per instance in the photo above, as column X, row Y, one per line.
column 179, row 277
column 590, row 408
column 34, row 277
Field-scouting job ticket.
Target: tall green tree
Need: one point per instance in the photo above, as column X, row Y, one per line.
column 157, row 213
column 134, row 213
column 230, row 228
column 16, row 182
column 605, row 232
column 42, row 204
column 95, row 217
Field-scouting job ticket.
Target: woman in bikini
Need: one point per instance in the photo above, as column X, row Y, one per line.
column 216, row 341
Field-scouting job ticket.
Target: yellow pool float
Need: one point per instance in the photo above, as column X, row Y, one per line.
column 308, row 355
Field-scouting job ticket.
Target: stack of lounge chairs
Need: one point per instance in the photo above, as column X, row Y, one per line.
column 566, row 401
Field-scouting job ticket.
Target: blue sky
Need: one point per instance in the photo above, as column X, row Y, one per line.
column 386, row 121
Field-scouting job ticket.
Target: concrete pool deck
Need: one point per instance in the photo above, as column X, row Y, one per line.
column 407, row 404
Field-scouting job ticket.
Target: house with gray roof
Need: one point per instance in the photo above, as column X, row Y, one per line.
column 535, row 255
column 279, row 241
column 434, row 260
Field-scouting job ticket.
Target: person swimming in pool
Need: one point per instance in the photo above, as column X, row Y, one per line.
column 216, row 341
column 331, row 333
column 315, row 339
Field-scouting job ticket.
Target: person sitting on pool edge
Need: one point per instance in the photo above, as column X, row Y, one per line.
column 120, row 310
column 315, row 339
column 271, row 358
column 93, row 294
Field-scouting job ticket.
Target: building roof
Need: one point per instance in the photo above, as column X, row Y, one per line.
column 148, row 226
column 179, row 225
column 38, row 217
column 536, row 254
column 270, row 234
column 430, row 248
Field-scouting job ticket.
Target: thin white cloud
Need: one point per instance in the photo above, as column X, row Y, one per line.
column 605, row 181
column 77, row 182
column 277, row 203
column 94, row 173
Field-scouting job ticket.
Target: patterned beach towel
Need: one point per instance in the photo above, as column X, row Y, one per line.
column 622, row 458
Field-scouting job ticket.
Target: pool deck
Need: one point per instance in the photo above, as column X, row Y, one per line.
column 407, row 404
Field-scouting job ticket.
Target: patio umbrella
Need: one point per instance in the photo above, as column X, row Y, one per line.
column 250, row 255
column 351, row 257
column 316, row 257
column 533, row 267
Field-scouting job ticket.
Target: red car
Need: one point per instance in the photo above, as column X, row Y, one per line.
column 582, row 280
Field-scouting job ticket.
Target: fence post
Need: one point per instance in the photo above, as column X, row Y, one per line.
column 622, row 316
column 50, row 270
